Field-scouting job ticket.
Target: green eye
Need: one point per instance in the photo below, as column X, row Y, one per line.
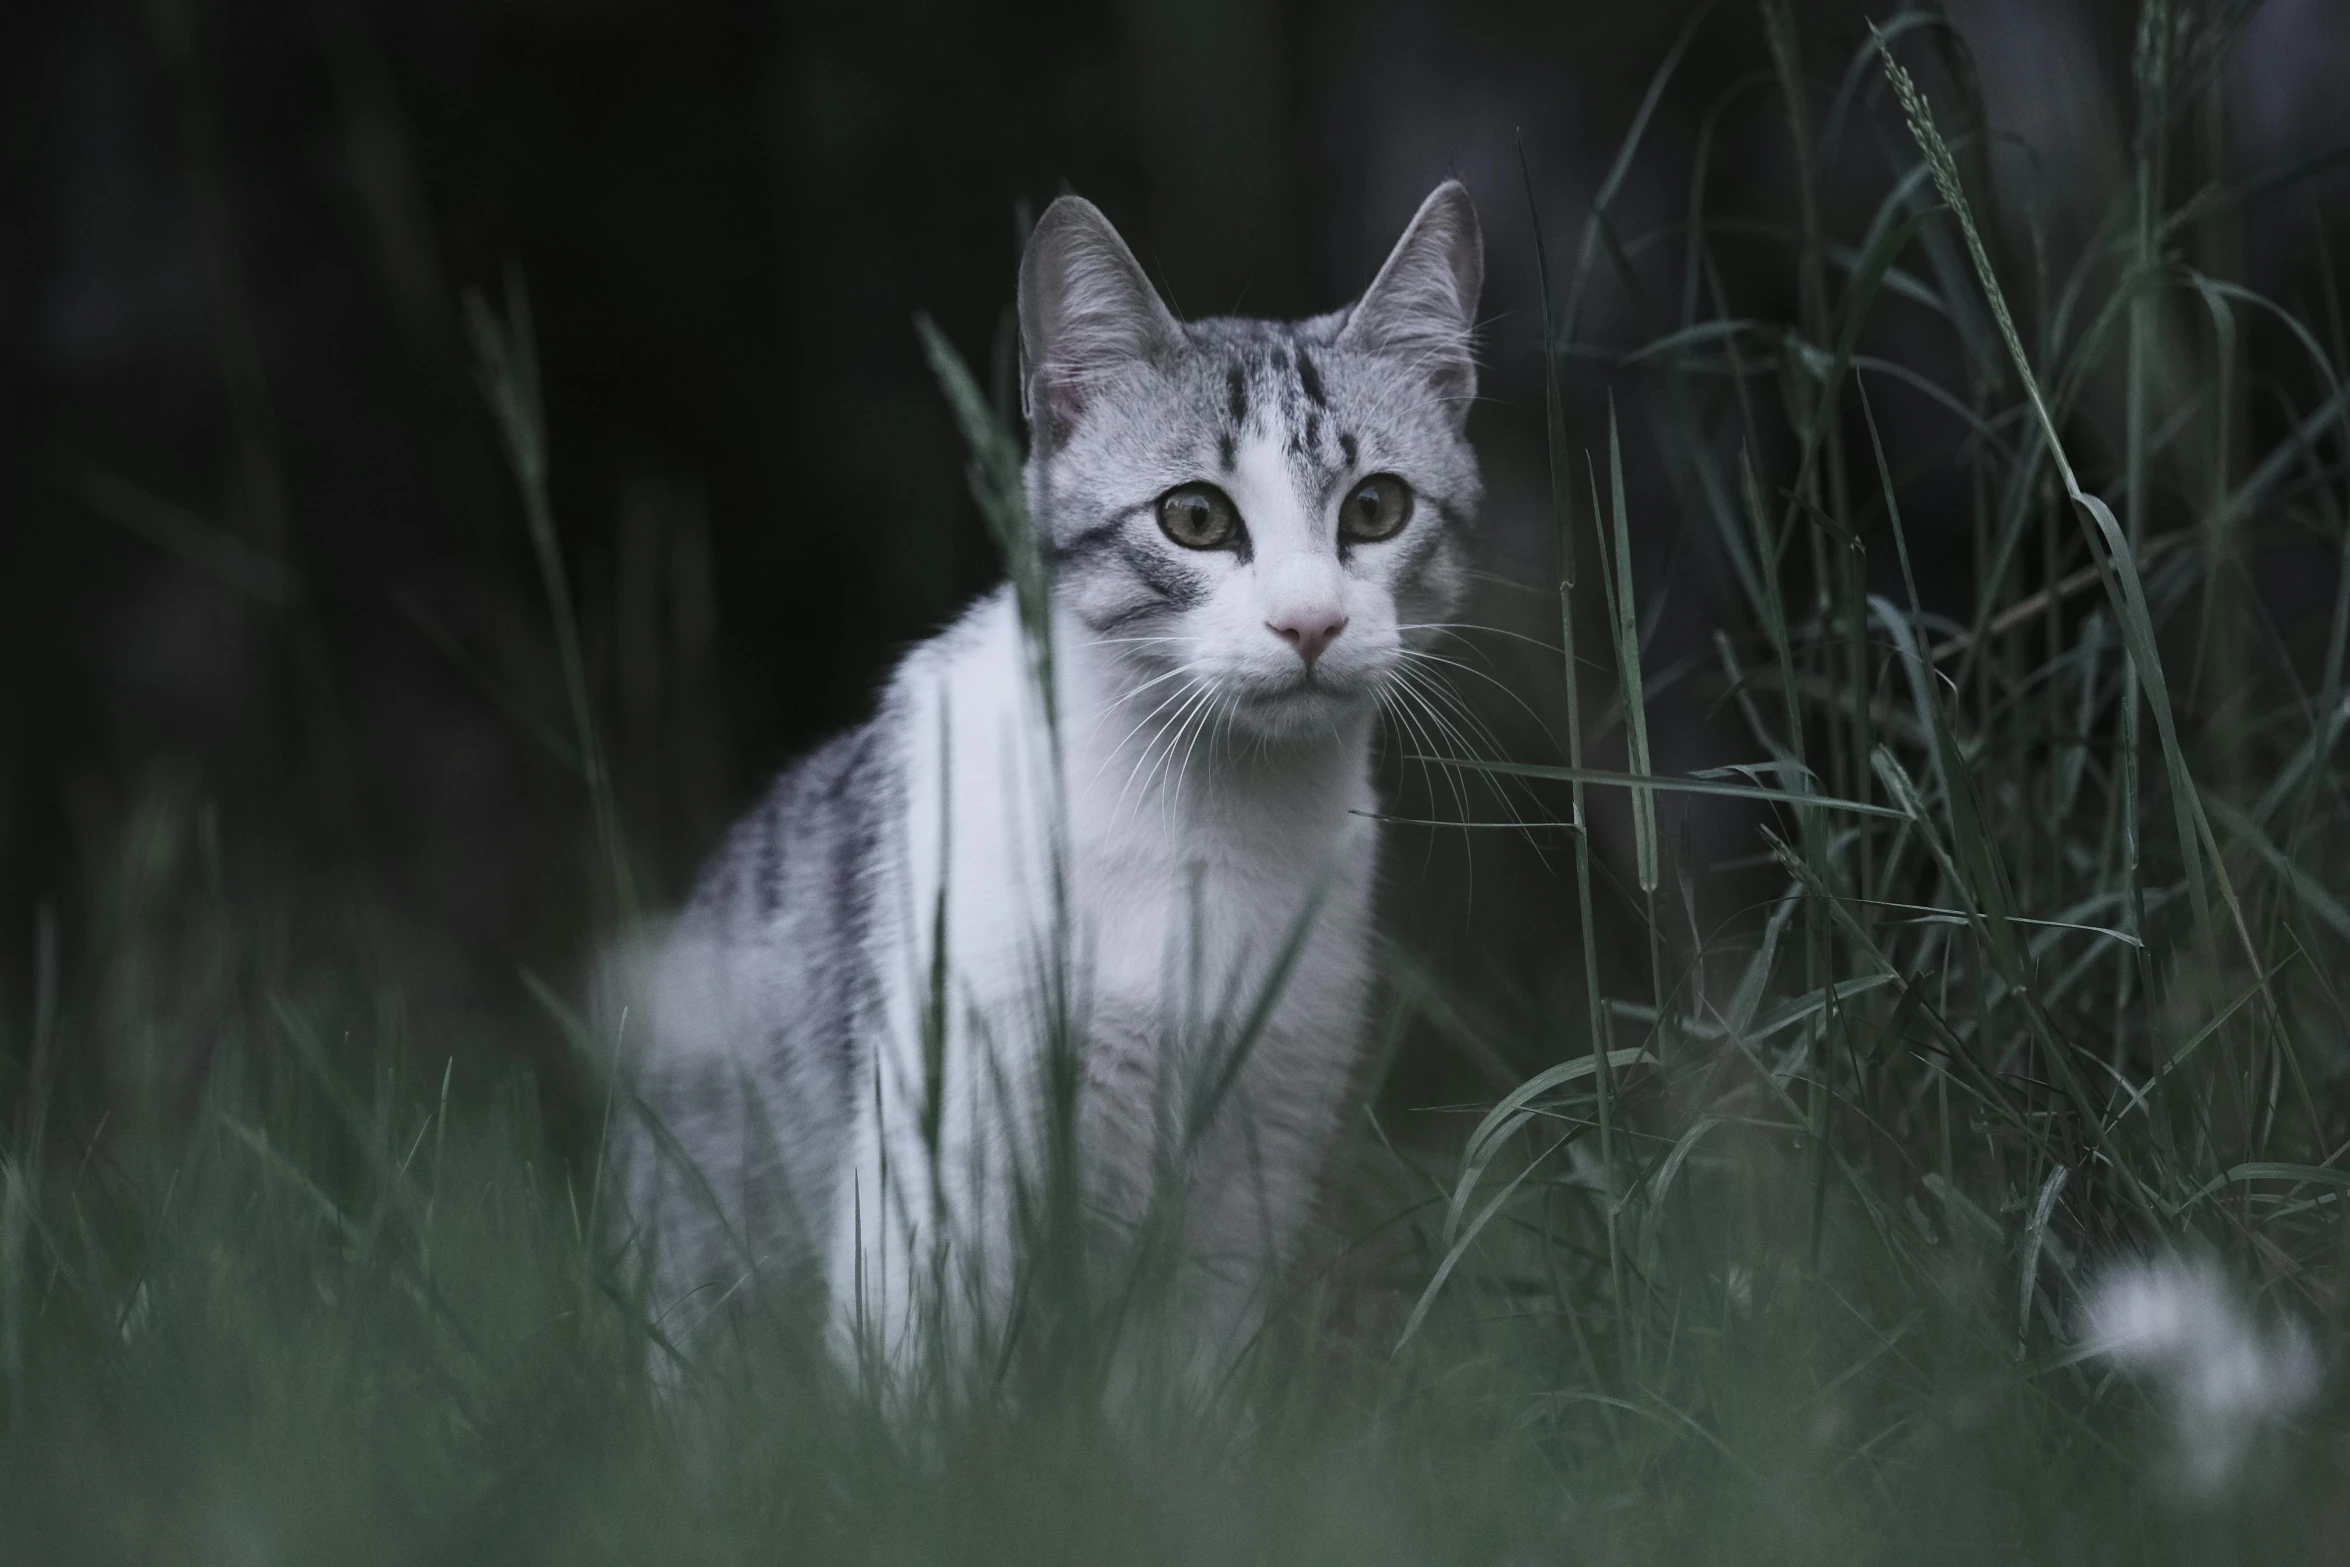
column 1199, row 517
column 1376, row 509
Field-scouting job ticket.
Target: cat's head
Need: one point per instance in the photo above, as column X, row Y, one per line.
column 1268, row 508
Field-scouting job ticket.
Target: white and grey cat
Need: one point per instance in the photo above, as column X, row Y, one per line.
column 1249, row 525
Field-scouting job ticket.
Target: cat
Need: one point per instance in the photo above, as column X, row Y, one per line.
column 849, row 1035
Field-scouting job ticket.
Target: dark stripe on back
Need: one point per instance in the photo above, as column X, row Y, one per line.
column 863, row 790
column 770, row 872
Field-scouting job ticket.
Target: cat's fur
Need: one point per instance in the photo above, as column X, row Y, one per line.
column 1213, row 798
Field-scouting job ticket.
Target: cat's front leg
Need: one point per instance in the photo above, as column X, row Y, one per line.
column 925, row 1247
column 1254, row 1178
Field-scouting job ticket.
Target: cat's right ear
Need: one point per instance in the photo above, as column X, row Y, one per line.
column 1086, row 311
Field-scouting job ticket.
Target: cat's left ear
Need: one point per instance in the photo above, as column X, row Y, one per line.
column 1422, row 307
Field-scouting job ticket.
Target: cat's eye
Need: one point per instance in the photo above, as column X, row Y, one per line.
column 1375, row 509
column 1199, row 517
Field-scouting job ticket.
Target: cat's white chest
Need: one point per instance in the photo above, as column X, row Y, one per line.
column 1040, row 894
column 1181, row 868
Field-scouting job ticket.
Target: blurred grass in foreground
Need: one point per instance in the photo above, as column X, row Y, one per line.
column 1790, row 1270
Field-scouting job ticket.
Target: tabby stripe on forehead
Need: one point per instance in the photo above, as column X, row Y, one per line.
column 1309, row 380
column 1346, row 444
column 1239, row 387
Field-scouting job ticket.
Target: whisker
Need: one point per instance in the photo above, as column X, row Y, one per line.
column 1149, row 749
column 1183, row 769
column 1458, row 626
column 1416, row 654
column 1183, row 694
column 1498, row 580
column 1425, row 738
column 1434, row 688
column 1435, row 685
column 1201, row 694
column 1506, row 791
column 1127, row 696
column 1428, row 768
column 1179, row 772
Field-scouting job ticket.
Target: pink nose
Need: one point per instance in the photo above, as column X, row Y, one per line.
column 1309, row 631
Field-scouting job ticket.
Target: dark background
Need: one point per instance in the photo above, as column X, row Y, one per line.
column 265, row 594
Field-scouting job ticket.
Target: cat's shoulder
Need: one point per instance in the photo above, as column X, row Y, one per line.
column 974, row 658
column 987, row 626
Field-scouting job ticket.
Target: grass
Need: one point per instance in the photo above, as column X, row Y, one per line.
column 1783, row 1257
